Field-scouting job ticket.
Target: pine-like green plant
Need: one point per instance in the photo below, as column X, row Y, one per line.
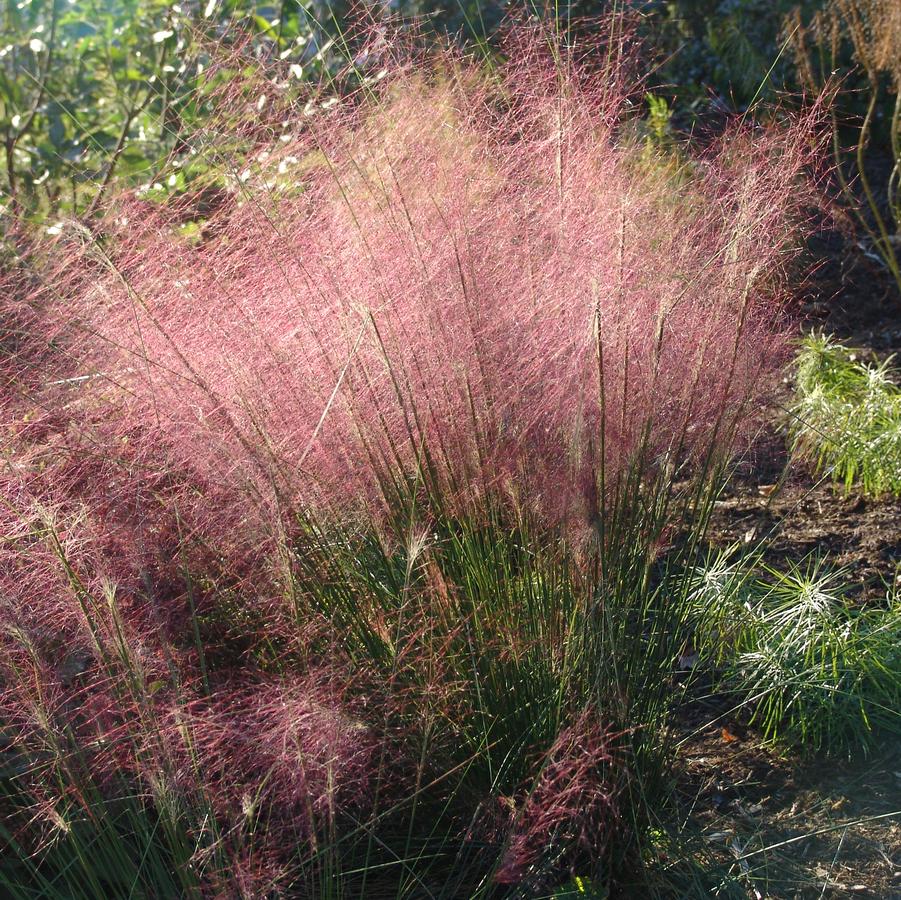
column 817, row 672
column 846, row 417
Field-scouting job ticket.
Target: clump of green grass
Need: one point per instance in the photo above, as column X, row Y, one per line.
column 847, row 417
column 818, row 672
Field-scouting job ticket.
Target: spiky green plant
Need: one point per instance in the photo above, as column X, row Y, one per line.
column 846, row 418
column 817, row 672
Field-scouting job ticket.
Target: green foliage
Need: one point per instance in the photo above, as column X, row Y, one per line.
column 499, row 635
column 846, row 417
column 730, row 46
column 658, row 121
column 94, row 90
column 93, row 93
column 580, row 887
column 817, row 672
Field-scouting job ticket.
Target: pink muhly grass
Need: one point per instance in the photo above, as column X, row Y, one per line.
column 281, row 761
column 446, row 288
column 293, row 753
column 572, row 813
column 467, row 286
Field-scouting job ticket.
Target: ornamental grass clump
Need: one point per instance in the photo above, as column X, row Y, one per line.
column 349, row 536
column 474, row 288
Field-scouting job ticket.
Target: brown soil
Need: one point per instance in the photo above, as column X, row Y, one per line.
column 804, row 829
column 797, row 514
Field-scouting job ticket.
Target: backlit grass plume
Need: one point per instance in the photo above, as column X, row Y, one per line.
column 457, row 279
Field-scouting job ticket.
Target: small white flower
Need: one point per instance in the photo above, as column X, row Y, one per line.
column 36, row 45
column 160, row 36
column 285, row 163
